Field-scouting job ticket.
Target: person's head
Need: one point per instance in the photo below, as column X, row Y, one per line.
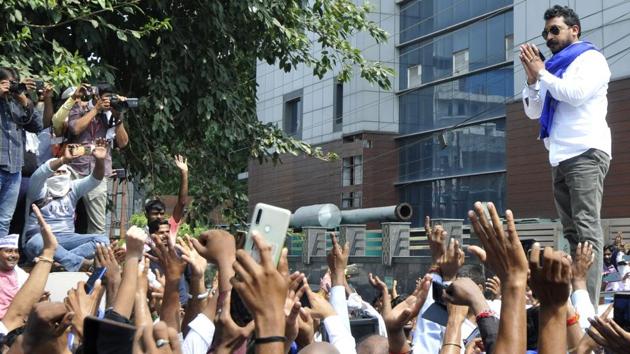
column 6, row 76
column 160, row 228
column 562, row 27
column 608, row 251
column 154, row 210
column 319, row 348
column 619, row 240
column 373, row 344
column 58, row 184
column 474, row 272
column 9, row 254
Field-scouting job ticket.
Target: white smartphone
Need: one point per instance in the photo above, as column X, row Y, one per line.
column 271, row 223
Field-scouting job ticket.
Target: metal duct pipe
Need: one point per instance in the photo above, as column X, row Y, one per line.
column 324, row 215
column 400, row 212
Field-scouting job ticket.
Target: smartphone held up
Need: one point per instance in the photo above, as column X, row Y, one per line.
column 271, row 223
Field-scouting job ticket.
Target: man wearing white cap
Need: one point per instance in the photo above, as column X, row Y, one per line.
column 12, row 277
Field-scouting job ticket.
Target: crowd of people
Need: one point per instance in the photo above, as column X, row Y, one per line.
column 536, row 300
column 160, row 293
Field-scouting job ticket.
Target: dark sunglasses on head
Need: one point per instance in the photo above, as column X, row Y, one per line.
column 555, row 30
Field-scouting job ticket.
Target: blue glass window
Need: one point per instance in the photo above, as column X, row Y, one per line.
column 421, row 17
column 453, row 197
column 478, row 97
column 472, row 149
column 484, row 40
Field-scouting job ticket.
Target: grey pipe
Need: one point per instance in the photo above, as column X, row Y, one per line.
column 324, row 215
column 400, row 212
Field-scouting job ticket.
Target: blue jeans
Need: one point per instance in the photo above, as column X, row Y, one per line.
column 73, row 248
column 9, row 190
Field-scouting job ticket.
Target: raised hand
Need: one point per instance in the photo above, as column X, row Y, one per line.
column 505, row 256
column 217, row 246
column 493, row 285
column 135, row 242
column 229, row 336
column 50, row 241
column 451, row 260
column 503, row 253
column 171, row 263
column 338, row 261
column 550, row 276
column 104, row 257
column 82, row 304
column 45, row 327
column 100, row 149
column 181, row 163
column 464, row 292
column 262, row 288
column 198, row 264
column 156, row 339
column 320, row 307
column 436, row 237
column 607, row 333
column 583, row 260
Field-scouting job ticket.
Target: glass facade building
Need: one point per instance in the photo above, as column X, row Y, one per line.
column 456, row 75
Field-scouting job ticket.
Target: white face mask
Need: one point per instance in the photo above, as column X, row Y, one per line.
column 58, row 186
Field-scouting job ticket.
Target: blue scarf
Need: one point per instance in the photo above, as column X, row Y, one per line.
column 557, row 65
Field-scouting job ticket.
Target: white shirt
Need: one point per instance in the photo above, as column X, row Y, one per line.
column 579, row 122
column 583, row 306
column 199, row 338
column 355, row 302
column 339, row 335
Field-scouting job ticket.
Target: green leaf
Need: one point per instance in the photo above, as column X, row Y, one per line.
column 94, row 23
column 121, row 35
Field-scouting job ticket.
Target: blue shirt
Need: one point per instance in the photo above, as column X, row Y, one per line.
column 12, row 136
column 59, row 212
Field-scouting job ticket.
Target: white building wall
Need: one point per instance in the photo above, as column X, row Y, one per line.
column 366, row 107
column 605, row 23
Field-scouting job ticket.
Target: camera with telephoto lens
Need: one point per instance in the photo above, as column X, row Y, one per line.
column 120, row 105
column 17, row 87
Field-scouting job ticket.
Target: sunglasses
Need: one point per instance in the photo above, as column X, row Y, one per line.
column 555, row 30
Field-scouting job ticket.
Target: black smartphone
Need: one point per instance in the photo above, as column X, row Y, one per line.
column 240, row 314
column 96, row 275
column 621, row 310
column 438, row 291
column 102, row 336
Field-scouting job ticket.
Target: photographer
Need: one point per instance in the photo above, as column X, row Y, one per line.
column 100, row 119
column 18, row 115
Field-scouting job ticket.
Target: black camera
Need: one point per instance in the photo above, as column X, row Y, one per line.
column 17, row 87
column 39, row 86
column 88, row 92
column 120, row 105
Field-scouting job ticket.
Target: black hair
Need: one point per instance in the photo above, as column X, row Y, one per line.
column 399, row 299
column 105, row 88
column 154, row 225
column 532, row 327
column 7, row 73
column 154, row 204
column 568, row 14
column 474, row 272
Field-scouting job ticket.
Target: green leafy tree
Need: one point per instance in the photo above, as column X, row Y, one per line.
column 192, row 63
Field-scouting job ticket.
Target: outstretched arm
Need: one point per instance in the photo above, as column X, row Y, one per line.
column 182, row 198
column 32, row 290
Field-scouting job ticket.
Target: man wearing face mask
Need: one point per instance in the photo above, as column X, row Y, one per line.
column 57, row 195
column 567, row 93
